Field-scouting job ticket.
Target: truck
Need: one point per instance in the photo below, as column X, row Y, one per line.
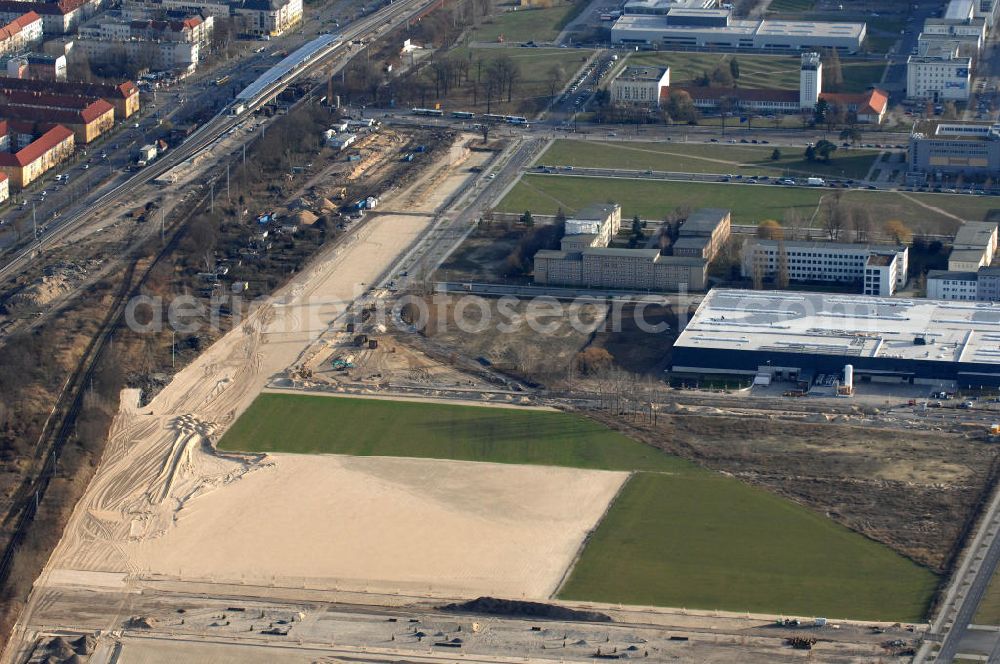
column 815, row 182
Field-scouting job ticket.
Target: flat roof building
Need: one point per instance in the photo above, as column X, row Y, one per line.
column 878, row 270
column 954, row 147
column 585, row 260
column 709, row 28
column 640, row 86
column 945, row 76
column 974, row 246
column 788, row 334
column 661, row 7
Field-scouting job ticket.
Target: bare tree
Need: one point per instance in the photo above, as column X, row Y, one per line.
column 835, row 218
column 556, row 75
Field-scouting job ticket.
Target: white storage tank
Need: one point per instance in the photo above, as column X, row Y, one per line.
column 849, row 376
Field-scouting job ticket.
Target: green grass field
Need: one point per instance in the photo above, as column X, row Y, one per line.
column 751, row 204
column 533, row 88
column 374, row 427
column 540, row 25
column 757, row 71
column 677, row 536
column 737, row 158
column 703, row 541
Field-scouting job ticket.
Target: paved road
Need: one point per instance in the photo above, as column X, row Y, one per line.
column 204, row 137
column 966, row 591
column 566, row 293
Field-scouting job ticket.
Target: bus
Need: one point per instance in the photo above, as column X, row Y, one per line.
column 434, row 112
column 492, row 117
column 222, row 80
column 516, row 120
column 462, row 115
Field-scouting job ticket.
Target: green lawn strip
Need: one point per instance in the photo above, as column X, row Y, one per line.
column 989, row 609
column 523, row 25
column 737, row 158
column 750, row 204
column 374, row 427
column 704, row 541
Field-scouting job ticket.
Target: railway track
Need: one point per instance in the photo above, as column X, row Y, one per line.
column 62, row 421
column 205, row 136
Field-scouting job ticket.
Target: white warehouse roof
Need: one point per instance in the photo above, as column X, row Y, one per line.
column 846, row 325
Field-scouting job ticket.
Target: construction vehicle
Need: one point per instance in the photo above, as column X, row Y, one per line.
column 342, row 194
column 993, row 435
column 341, row 364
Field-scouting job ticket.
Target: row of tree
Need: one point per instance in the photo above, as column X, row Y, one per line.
column 843, row 221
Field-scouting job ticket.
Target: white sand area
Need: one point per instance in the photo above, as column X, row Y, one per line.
column 420, row 526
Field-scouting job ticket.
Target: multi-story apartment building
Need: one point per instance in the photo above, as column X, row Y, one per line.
column 269, row 18
column 25, row 156
column 38, row 66
column 115, row 27
column 879, row 270
column 179, row 56
column 87, row 119
column 58, row 18
column 124, row 96
column 21, row 34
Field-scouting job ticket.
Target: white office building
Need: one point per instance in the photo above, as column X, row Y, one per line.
column 640, row 86
column 944, row 76
column 716, row 28
column 880, row 270
column 952, row 285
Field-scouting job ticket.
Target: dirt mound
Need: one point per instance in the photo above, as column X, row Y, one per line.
column 84, row 645
column 305, row 218
column 517, row 608
column 140, row 622
column 58, row 280
column 59, row 649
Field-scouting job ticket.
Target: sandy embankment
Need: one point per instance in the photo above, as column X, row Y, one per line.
column 418, row 526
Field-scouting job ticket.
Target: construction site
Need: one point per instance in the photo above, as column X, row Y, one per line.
column 333, row 456
column 170, row 524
